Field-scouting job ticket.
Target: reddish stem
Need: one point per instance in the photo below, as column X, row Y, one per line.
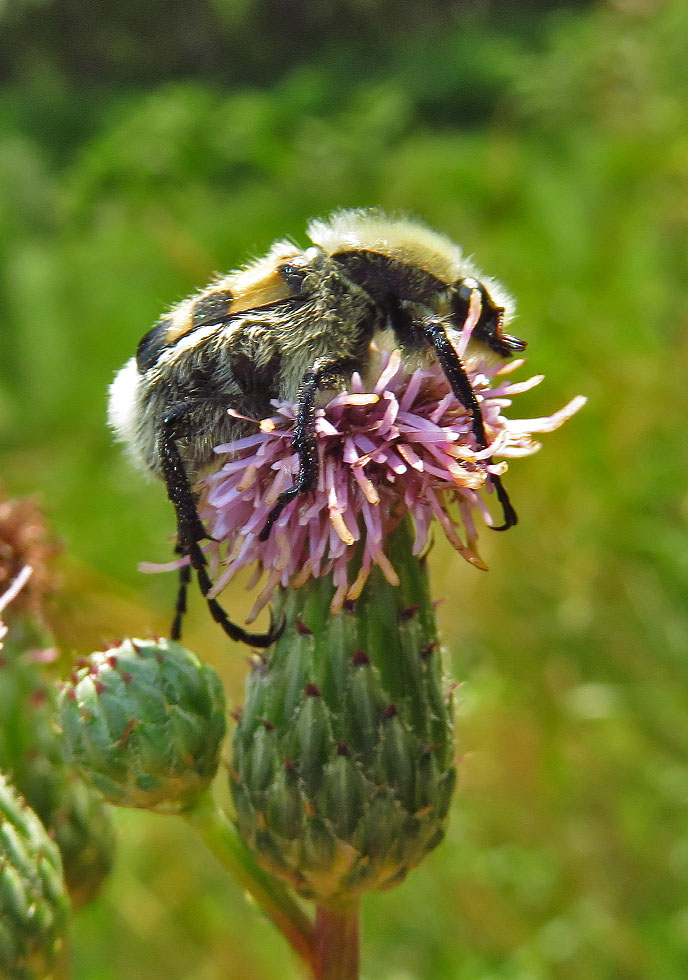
column 337, row 942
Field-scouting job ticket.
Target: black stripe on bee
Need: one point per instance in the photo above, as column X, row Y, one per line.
column 381, row 275
column 212, row 308
column 152, row 344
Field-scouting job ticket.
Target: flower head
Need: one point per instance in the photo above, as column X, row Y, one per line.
column 402, row 444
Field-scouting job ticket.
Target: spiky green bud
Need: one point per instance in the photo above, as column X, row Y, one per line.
column 34, row 908
column 144, row 723
column 31, row 754
column 342, row 769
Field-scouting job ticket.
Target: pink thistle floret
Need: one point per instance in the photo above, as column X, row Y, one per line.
column 401, row 445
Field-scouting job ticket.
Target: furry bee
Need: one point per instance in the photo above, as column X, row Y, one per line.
column 287, row 326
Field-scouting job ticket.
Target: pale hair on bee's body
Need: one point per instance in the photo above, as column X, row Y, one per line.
column 290, row 325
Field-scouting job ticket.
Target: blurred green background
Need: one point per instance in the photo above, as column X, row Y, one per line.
column 143, row 148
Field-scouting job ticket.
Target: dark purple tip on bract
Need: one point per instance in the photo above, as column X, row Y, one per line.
column 360, row 659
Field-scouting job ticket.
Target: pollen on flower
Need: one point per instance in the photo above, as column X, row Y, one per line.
column 403, row 444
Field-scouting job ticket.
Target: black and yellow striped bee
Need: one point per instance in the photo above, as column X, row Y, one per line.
column 287, row 326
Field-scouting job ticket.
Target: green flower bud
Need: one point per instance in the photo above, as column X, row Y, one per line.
column 144, row 723
column 31, row 754
column 34, row 908
column 343, row 756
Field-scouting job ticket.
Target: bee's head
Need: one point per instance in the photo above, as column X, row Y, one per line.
column 489, row 328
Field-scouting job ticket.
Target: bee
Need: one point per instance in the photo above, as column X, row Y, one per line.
column 290, row 325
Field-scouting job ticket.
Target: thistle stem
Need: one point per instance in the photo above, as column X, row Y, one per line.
column 275, row 900
column 337, row 938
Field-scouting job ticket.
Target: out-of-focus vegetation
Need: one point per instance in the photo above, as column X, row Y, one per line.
column 139, row 153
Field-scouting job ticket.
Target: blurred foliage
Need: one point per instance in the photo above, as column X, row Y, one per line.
column 222, row 41
column 553, row 145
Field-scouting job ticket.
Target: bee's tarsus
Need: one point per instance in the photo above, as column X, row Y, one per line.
column 510, row 515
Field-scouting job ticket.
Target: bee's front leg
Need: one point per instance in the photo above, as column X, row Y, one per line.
column 327, row 372
column 460, row 384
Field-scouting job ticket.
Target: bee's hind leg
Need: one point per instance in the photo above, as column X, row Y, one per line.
column 180, row 604
column 190, row 531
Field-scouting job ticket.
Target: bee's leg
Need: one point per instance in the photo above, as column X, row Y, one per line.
column 451, row 364
column 325, row 373
column 180, row 605
column 190, row 531
column 179, row 490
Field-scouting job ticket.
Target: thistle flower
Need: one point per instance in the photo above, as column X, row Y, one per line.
column 402, row 444
column 343, row 756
